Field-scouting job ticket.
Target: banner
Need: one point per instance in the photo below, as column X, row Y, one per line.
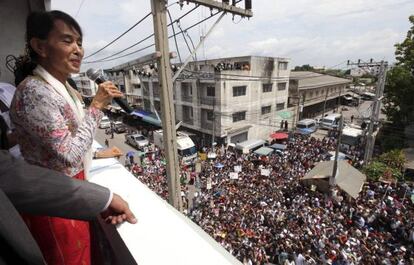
column 198, row 167
column 237, row 168
column 234, row 175
column 265, row 172
column 209, row 184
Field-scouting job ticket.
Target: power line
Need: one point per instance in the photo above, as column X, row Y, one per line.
column 80, row 6
column 137, row 43
column 175, row 38
column 106, row 59
column 120, row 36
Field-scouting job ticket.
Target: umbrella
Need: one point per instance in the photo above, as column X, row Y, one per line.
column 219, row 165
column 285, row 114
column 279, row 136
column 130, row 153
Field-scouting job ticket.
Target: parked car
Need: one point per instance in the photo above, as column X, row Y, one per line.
column 306, row 126
column 136, row 140
column 330, row 121
column 105, row 123
column 119, row 127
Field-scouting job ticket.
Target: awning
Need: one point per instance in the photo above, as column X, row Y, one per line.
column 278, row 146
column 264, row 151
column 152, row 120
column 279, row 136
column 348, row 178
column 285, row 114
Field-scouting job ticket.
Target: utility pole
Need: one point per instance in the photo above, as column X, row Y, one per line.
column 370, row 140
column 214, row 124
column 332, row 181
column 324, row 104
column 159, row 9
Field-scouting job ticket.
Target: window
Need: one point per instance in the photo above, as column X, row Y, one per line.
column 211, row 91
column 210, row 115
column 281, row 86
column 283, row 65
column 267, row 88
column 187, row 89
column 266, row 109
column 239, row 116
column 239, row 91
column 280, row 106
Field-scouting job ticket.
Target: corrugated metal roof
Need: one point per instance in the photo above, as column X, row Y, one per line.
column 307, row 80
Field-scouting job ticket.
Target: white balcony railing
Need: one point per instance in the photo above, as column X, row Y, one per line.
column 162, row 234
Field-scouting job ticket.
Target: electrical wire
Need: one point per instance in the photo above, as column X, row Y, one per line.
column 80, row 6
column 120, row 36
column 185, row 40
column 175, row 38
column 108, row 58
column 105, row 59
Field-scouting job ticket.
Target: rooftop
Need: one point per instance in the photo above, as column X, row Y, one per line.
column 308, row 80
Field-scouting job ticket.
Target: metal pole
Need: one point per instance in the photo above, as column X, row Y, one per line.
column 332, row 181
column 195, row 50
column 324, row 104
column 159, row 10
column 369, row 148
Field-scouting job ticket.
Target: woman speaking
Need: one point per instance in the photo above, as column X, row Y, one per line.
column 53, row 129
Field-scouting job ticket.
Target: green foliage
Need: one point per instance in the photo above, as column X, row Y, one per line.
column 394, row 159
column 375, row 170
column 305, row 67
column 399, row 91
column 399, row 88
column 388, row 166
column 405, row 51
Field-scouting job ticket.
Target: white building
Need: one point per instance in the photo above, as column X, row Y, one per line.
column 236, row 99
column 85, row 86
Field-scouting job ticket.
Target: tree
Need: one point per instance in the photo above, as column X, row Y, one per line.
column 405, row 50
column 388, row 166
column 305, row 67
column 399, row 88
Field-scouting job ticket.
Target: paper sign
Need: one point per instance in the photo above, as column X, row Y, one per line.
column 198, row 167
column 313, row 187
column 265, row 172
column 208, row 184
column 234, row 175
column 237, row 168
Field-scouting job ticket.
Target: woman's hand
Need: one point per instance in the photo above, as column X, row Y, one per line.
column 106, row 92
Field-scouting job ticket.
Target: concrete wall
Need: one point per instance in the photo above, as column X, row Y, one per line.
column 13, row 15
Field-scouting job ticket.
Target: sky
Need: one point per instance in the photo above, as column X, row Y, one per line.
column 316, row 32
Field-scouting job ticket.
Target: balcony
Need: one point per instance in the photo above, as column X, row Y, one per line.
column 162, row 234
column 187, row 98
column 207, row 125
column 207, row 100
column 188, row 120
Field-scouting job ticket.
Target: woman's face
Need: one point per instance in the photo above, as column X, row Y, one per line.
column 63, row 51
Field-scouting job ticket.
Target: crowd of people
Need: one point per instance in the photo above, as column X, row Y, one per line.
column 274, row 219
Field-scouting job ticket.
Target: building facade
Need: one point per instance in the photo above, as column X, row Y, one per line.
column 313, row 94
column 234, row 99
column 85, row 86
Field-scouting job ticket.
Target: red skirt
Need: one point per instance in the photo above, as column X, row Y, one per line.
column 62, row 241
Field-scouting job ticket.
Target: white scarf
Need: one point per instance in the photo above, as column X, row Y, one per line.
column 68, row 93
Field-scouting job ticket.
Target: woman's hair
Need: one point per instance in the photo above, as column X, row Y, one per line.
column 39, row 25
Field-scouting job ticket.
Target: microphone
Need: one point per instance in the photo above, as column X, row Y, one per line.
column 99, row 78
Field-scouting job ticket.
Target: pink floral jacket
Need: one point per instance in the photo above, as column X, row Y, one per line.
column 47, row 130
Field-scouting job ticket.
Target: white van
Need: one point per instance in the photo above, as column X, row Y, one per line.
column 250, row 145
column 306, row 126
column 105, row 123
column 330, row 122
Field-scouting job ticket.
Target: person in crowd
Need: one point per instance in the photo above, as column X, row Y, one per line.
column 275, row 219
column 53, row 129
column 41, row 191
